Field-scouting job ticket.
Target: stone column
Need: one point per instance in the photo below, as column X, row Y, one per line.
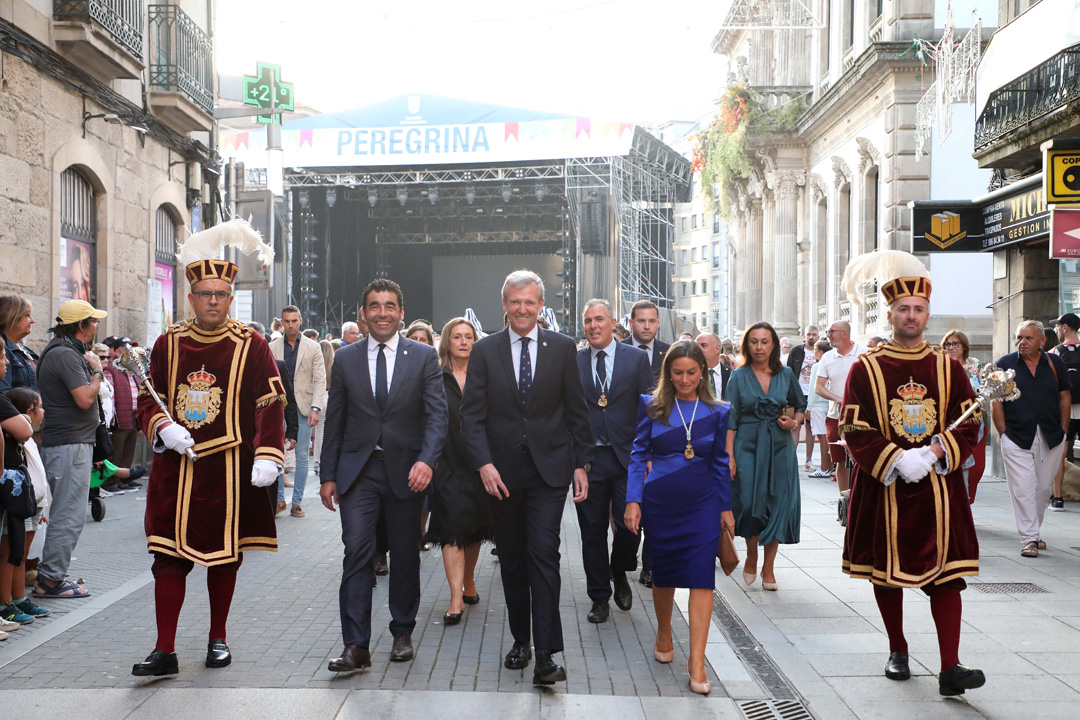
column 786, row 254
column 736, row 283
column 752, row 263
column 768, row 257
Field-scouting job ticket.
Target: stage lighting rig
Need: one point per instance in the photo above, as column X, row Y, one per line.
column 402, row 196
column 331, row 197
column 373, row 197
column 540, row 192
column 507, row 192
column 470, row 194
column 433, row 195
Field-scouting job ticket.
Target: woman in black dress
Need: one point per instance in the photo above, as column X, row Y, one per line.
column 459, row 507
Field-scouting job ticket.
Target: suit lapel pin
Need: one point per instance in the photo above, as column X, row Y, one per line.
column 404, row 352
column 545, row 344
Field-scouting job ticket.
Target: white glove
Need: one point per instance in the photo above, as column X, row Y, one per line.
column 264, row 473
column 914, row 464
column 175, row 437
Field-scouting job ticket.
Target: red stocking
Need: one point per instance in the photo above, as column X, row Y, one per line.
column 220, row 583
column 890, row 602
column 170, row 576
column 946, row 606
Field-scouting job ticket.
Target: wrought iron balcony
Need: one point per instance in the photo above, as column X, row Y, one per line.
column 122, row 19
column 1045, row 88
column 181, row 56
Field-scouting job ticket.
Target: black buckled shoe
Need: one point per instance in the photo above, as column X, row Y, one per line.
column 897, row 667
column 519, row 657
column 547, row 672
column 958, row 678
column 217, row 654
column 599, row 613
column 157, row 664
column 624, row 597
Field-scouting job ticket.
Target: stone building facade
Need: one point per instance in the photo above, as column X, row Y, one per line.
column 105, row 130
column 836, row 182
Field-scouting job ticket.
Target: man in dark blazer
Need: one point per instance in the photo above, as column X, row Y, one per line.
column 614, row 376
column 386, row 424
column 526, row 428
column 644, row 324
column 718, row 373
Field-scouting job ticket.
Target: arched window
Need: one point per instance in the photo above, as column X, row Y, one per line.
column 164, row 286
column 870, row 221
column 78, row 238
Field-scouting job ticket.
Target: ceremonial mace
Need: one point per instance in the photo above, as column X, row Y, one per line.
column 995, row 384
column 136, row 363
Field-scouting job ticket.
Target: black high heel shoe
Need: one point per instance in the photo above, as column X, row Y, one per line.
column 471, row 599
column 452, row 618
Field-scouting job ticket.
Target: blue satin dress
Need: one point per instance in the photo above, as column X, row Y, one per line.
column 682, row 499
column 766, row 501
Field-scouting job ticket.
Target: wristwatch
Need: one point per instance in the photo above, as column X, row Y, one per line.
column 587, row 467
column 98, row 373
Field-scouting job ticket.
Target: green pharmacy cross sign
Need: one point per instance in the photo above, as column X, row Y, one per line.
column 266, row 90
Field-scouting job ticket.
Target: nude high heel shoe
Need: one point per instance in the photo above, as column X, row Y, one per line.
column 699, row 688
column 662, row 657
column 749, row 578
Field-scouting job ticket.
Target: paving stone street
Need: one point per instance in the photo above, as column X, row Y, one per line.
column 814, row 649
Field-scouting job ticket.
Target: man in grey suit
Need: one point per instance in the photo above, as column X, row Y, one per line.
column 386, row 424
column 614, row 376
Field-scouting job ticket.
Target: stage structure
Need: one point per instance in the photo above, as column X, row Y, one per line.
column 449, row 200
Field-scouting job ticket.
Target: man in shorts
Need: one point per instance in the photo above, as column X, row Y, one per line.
column 832, row 377
column 817, row 407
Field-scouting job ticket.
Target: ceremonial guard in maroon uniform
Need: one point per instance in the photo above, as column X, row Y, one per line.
column 221, row 385
column 909, row 523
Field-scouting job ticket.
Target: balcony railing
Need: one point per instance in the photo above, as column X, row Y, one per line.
column 1045, row 88
column 822, row 315
column 845, row 311
column 872, row 310
column 824, row 84
column 849, row 58
column 122, row 19
column 181, row 56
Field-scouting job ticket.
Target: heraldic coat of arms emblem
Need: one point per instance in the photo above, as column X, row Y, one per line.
column 198, row 402
column 914, row 415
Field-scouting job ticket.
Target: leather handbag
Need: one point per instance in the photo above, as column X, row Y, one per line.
column 726, row 553
column 103, row 444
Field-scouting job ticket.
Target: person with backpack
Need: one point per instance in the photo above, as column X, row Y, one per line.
column 1069, row 351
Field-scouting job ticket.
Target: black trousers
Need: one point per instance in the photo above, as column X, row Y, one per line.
column 526, row 528
column 606, row 502
column 368, row 498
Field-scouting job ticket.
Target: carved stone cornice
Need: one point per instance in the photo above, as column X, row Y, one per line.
column 869, row 156
column 818, row 188
column 841, row 171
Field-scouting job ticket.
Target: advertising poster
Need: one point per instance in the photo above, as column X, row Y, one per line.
column 160, row 298
column 76, row 270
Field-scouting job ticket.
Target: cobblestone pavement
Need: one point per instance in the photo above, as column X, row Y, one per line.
column 816, row 647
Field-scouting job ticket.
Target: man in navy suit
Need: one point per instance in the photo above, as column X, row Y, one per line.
column 644, row 324
column 614, row 376
column 526, row 430
column 386, row 424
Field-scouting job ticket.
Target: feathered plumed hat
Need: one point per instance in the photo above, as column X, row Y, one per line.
column 901, row 274
column 200, row 255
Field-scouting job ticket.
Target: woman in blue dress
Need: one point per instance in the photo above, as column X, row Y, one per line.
column 685, row 502
column 762, row 451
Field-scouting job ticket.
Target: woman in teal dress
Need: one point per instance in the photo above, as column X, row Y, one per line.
column 762, row 452
column 684, row 499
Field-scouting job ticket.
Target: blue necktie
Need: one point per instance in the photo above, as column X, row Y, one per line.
column 525, row 371
column 381, row 391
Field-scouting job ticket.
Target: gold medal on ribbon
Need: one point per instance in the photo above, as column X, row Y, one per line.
column 602, row 402
column 689, row 451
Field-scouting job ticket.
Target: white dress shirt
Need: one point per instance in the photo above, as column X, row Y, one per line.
column 515, row 350
column 373, row 358
column 609, row 360
column 649, row 346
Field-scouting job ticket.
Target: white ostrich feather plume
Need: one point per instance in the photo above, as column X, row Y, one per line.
column 237, row 233
column 881, row 266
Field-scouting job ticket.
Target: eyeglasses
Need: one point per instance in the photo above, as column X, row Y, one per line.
column 951, row 344
column 219, row 295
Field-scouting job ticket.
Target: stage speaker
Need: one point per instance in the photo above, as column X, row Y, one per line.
column 593, row 228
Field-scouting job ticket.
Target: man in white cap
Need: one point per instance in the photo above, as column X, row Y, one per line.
column 69, row 375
